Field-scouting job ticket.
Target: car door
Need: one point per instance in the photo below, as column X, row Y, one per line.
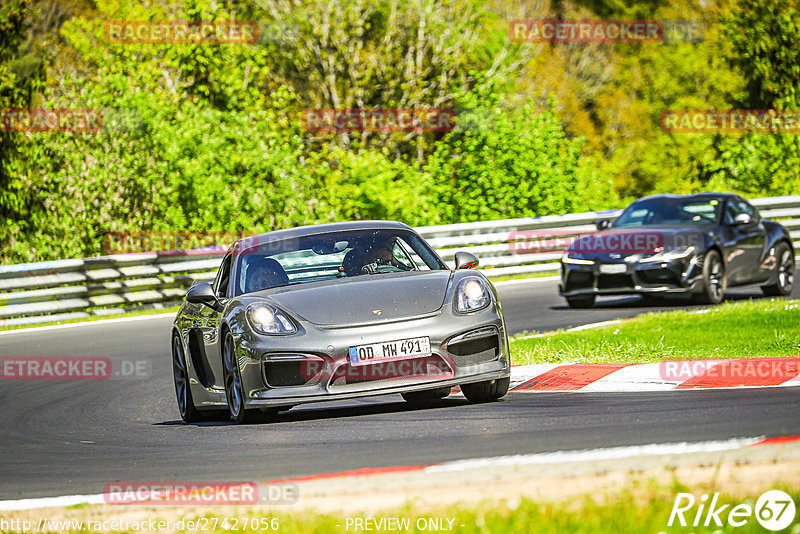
column 745, row 241
column 204, row 339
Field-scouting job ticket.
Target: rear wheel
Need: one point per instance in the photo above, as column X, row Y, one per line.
column 581, row 302
column 487, row 391
column 714, row 281
column 421, row 397
column 180, row 374
column 784, row 278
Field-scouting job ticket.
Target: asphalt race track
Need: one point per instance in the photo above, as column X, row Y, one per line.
column 73, row 437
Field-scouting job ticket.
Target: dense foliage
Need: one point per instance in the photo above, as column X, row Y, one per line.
column 211, row 137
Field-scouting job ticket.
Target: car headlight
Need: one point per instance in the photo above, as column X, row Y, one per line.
column 676, row 253
column 269, row 320
column 471, row 295
column 575, row 259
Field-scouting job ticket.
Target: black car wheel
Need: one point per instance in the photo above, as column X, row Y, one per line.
column 234, row 388
column 487, row 391
column 421, row 397
column 714, row 281
column 183, row 392
column 784, row 278
column 581, row 302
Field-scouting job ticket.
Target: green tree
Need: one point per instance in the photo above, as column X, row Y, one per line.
column 503, row 164
column 764, row 36
column 21, row 75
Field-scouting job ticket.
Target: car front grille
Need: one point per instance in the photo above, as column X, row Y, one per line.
column 614, row 281
column 423, row 369
column 658, row 277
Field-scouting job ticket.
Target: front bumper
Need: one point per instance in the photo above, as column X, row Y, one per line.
column 313, row 365
column 674, row 276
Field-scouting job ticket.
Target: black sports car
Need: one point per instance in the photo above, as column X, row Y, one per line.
column 693, row 244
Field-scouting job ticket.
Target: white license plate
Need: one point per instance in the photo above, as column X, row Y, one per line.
column 390, row 350
column 613, row 268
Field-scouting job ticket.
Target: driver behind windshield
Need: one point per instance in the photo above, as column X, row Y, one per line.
column 265, row 273
column 377, row 255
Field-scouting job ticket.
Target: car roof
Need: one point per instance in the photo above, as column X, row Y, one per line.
column 698, row 196
column 314, row 229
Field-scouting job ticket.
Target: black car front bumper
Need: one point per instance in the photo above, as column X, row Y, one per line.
column 619, row 278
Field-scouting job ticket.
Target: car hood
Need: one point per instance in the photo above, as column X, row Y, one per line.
column 645, row 240
column 357, row 300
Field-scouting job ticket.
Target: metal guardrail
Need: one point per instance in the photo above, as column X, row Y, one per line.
column 69, row 289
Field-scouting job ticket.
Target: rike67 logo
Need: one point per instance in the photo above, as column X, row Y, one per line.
column 774, row 510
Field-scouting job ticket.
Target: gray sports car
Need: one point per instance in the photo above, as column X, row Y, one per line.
column 336, row 311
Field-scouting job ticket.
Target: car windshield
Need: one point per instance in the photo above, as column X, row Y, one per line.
column 331, row 256
column 670, row 211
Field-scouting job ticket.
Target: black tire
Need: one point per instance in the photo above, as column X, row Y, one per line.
column 784, row 277
column 714, row 280
column 234, row 389
column 487, row 391
column 581, row 302
column 653, row 300
column 183, row 391
column 428, row 395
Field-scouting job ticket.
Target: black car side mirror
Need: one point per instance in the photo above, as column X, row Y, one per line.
column 203, row 293
column 743, row 219
column 602, row 224
column 465, row 260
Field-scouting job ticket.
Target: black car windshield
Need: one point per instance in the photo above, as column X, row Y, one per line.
column 330, row 256
column 670, row 211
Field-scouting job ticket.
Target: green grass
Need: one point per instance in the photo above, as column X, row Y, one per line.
column 151, row 311
column 743, row 329
column 643, row 507
column 627, row 512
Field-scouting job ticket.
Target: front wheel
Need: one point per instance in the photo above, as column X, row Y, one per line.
column 234, row 388
column 714, row 281
column 581, row 302
column 422, row 397
column 180, row 374
column 487, row 391
column 784, row 278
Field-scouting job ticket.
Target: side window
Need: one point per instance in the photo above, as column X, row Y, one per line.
column 736, row 207
column 223, row 277
column 402, row 256
column 637, row 216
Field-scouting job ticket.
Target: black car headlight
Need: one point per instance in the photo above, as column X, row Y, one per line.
column 676, row 253
column 269, row 320
column 471, row 295
column 573, row 258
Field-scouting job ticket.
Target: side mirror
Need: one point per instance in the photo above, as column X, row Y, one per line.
column 465, row 260
column 203, row 293
column 602, row 224
column 742, row 219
